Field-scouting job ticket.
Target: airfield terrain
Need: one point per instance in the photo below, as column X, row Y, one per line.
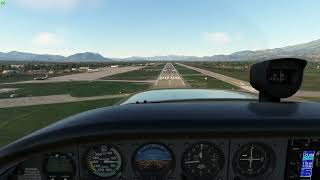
column 42, row 102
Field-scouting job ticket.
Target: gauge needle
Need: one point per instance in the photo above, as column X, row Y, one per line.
column 191, row 162
column 251, row 158
column 201, row 148
column 106, row 161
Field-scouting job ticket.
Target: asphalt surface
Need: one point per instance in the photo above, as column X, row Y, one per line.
column 86, row 76
column 169, row 78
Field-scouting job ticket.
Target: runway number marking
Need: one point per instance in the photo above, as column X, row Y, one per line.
column 169, row 74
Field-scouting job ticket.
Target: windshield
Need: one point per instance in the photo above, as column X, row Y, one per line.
column 62, row 57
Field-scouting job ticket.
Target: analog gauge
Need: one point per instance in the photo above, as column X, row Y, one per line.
column 153, row 159
column 104, row 161
column 253, row 160
column 59, row 166
column 202, row 160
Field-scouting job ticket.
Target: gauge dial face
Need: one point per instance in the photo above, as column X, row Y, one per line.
column 58, row 165
column 203, row 160
column 153, row 159
column 104, row 161
column 253, row 160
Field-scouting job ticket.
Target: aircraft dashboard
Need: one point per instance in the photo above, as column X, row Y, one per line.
column 221, row 140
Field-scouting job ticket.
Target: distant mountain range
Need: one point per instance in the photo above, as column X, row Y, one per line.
column 159, row 58
column 310, row 51
column 79, row 57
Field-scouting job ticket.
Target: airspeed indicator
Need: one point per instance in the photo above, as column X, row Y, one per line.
column 104, row 161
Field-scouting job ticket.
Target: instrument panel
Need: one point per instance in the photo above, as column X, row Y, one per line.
column 192, row 159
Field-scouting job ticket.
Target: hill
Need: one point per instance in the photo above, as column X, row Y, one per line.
column 310, row 51
column 79, row 57
column 87, row 56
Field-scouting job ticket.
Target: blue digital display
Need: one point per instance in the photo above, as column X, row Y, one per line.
column 307, row 164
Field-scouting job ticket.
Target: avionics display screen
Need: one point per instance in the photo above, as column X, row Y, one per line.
column 307, row 164
column 59, row 166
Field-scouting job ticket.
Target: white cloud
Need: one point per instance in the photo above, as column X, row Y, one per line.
column 218, row 37
column 47, row 39
column 49, row 4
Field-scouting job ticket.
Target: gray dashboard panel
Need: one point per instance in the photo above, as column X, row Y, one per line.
column 128, row 149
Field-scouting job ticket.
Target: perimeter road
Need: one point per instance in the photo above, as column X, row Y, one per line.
column 169, row 78
column 53, row 99
column 87, row 76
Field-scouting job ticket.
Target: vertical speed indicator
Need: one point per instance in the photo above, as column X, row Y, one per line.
column 104, row 161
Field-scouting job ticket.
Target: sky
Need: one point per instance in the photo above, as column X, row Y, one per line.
column 124, row 28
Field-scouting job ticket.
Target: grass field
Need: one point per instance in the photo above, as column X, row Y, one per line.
column 242, row 74
column 28, row 77
column 197, row 80
column 20, row 121
column 311, row 80
column 76, row 89
column 183, row 70
column 314, row 99
column 147, row 73
column 16, row 78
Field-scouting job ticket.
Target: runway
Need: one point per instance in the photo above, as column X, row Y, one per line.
column 169, row 78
